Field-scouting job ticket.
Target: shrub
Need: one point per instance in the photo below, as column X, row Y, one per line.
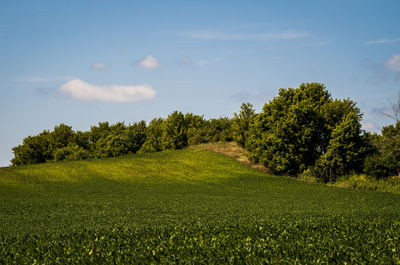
column 385, row 161
column 72, row 152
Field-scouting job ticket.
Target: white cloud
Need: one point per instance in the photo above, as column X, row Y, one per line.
column 382, row 41
column 98, row 66
column 81, row 90
column 217, row 35
column 209, row 61
column 394, row 63
column 149, row 62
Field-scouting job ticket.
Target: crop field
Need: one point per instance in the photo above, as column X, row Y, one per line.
column 188, row 206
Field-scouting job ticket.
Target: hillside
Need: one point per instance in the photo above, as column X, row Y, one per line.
column 188, row 204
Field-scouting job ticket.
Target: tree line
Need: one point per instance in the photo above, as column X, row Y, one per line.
column 104, row 140
column 302, row 130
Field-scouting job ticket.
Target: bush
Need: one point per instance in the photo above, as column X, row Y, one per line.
column 72, row 152
column 381, row 166
column 385, row 161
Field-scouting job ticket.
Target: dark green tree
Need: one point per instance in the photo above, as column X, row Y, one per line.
column 385, row 161
column 34, row 149
column 295, row 128
column 241, row 123
column 61, row 136
column 71, row 152
column 345, row 150
column 287, row 135
column 137, row 136
column 174, row 132
column 153, row 136
column 194, row 124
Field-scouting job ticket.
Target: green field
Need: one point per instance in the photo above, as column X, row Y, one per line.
column 188, row 206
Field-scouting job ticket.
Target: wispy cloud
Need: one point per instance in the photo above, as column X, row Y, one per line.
column 208, row 61
column 149, row 62
column 382, row 41
column 218, row 35
column 98, row 66
column 81, row 90
column 44, row 79
column 393, row 63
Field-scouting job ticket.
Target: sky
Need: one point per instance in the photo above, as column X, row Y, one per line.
column 85, row 62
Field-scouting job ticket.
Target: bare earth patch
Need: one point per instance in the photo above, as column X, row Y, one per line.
column 231, row 149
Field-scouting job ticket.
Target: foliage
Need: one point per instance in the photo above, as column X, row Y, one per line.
column 105, row 140
column 153, row 136
column 194, row 124
column 174, row 131
column 35, row 149
column 334, row 241
column 71, row 152
column 368, row 182
column 219, row 130
column 295, row 129
column 385, row 161
column 241, row 123
column 344, row 151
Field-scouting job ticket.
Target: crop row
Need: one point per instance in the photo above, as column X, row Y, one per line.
column 334, row 240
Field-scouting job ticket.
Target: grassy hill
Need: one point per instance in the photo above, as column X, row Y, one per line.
column 187, row 205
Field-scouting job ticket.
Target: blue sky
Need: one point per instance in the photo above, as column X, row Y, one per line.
column 83, row 62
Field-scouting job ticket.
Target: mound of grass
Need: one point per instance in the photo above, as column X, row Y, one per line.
column 187, row 206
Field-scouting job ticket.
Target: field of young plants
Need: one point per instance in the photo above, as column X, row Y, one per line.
column 187, row 206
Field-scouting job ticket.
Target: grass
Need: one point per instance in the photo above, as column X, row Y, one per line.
column 354, row 181
column 187, row 206
column 361, row 181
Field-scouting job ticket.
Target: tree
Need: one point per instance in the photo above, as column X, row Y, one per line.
column 395, row 108
column 34, row 149
column 344, row 151
column 296, row 128
column 137, row 136
column 219, row 130
column 153, row 136
column 385, row 161
column 194, row 124
column 174, row 132
column 71, row 152
column 61, row 136
column 97, row 132
column 241, row 123
column 288, row 134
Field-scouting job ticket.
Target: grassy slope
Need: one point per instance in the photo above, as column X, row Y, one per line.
column 140, row 202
